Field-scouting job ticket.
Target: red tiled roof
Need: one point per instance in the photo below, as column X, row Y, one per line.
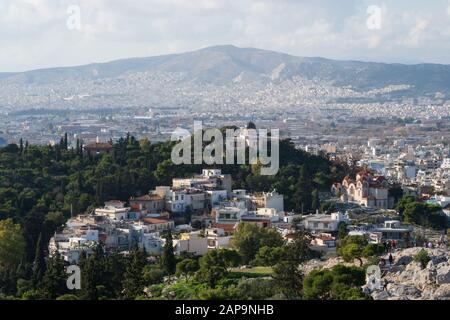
column 155, row 220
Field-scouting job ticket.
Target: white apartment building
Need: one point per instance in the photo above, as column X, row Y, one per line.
column 324, row 222
column 228, row 214
column 113, row 213
column 271, row 199
column 216, row 196
column 217, row 239
column 192, row 242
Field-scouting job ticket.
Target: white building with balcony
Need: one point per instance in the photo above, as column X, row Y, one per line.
column 324, row 222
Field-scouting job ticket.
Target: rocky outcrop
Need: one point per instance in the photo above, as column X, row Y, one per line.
column 443, row 275
column 407, row 280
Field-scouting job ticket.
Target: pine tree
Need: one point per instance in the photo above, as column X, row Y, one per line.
column 168, row 261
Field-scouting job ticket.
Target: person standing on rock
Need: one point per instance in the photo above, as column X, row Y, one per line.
column 385, row 284
column 391, row 260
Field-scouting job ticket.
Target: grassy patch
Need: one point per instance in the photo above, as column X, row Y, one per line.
column 254, row 272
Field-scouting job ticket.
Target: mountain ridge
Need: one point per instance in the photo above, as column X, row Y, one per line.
column 227, row 64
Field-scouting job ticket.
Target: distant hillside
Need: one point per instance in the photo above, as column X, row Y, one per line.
column 225, row 65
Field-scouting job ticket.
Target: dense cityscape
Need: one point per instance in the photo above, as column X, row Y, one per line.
column 96, row 204
column 387, row 199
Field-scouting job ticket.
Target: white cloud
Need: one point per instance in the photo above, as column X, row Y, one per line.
column 34, row 32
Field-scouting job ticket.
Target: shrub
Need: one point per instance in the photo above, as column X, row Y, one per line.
column 422, row 258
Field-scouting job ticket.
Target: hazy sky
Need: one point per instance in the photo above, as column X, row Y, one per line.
column 35, row 33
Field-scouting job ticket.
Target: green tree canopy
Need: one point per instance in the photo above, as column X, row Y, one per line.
column 338, row 283
column 352, row 247
column 249, row 238
column 12, row 245
column 168, row 261
column 187, row 267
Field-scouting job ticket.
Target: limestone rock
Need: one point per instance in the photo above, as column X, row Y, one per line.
column 380, row 295
column 443, row 275
column 442, row 292
column 406, row 280
column 401, row 290
column 404, row 260
column 424, row 277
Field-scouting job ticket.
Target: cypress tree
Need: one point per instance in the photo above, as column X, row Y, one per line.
column 115, row 267
column 81, row 149
column 78, row 147
column 99, row 192
column 57, row 153
column 315, row 204
column 66, row 141
column 133, row 284
column 168, row 261
column 302, row 197
column 79, row 182
column 39, row 263
column 55, row 277
column 92, row 274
